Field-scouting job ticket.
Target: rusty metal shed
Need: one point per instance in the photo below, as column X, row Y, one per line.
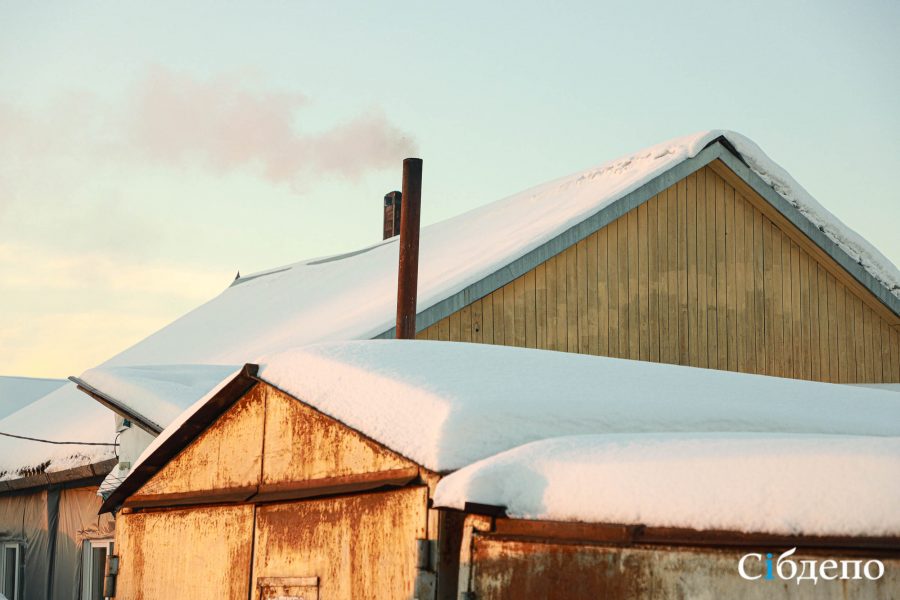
column 258, row 492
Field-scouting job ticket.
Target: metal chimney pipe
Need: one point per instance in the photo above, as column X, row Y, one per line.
column 392, row 203
column 408, row 276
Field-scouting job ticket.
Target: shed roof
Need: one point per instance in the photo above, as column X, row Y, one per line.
column 789, row 484
column 63, row 415
column 447, row 405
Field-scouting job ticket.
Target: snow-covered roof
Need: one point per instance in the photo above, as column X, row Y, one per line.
column 17, row 392
column 827, row 485
column 561, row 436
column 353, row 296
column 446, row 405
column 63, row 415
column 157, row 393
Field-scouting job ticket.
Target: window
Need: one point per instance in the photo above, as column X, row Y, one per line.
column 93, row 574
column 10, row 570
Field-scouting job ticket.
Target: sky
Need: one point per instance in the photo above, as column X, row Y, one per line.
column 149, row 151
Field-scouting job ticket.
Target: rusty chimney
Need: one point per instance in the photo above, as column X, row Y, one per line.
column 408, row 276
column 391, row 214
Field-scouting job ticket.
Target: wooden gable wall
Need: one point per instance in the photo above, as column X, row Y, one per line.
column 706, row 274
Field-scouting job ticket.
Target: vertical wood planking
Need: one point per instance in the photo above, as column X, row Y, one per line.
column 487, row 320
column 824, row 355
column 603, row 292
column 552, row 322
column 690, row 223
column 540, row 305
column 731, row 276
column 777, row 302
column 795, row 310
column 741, row 314
column 845, row 332
column 581, row 279
column 749, row 324
column 815, row 369
column 672, row 272
column 643, row 281
column 759, row 294
column 562, row 314
column 465, row 324
column 455, row 322
column 663, row 275
column 530, row 310
column 859, row 337
column 833, row 335
column 509, row 314
column 612, row 253
column 805, row 318
column 622, row 256
column 497, row 306
column 682, row 271
column 721, row 276
column 593, row 332
column 518, row 307
column 702, row 274
column 477, row 322
column 712, row 319
column 787, row 305
column 572, row 299
column 634, row 308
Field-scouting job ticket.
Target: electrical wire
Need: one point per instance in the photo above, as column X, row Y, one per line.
column 31, row 439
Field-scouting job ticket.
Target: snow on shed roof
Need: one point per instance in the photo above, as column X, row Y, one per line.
column 16, row 392
column 446, row 405
column 63, row 415
column 353, row 296
column 758, row 482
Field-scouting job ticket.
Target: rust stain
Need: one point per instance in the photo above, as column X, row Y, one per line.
column 361, row 546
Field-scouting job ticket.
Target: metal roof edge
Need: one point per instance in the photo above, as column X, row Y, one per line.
column 118, row 407
column 799, row 220
column 188, row 431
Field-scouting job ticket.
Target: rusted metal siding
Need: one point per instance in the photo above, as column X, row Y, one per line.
column 507, row 569
column 361, row 546
column 303, row 445
column 227, row 456
column 185, row 554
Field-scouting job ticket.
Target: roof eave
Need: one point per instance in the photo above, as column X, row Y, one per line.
column 193, row 426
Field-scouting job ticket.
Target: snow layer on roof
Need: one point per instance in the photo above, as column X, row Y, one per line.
column 447, row 404
column 888, row 387
column 773, row 483
column 64, row 414
column 158, row 393
column 16, row 392
column 353, row 296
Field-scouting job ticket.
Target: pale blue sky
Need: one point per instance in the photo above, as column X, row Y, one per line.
column 102, row 240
